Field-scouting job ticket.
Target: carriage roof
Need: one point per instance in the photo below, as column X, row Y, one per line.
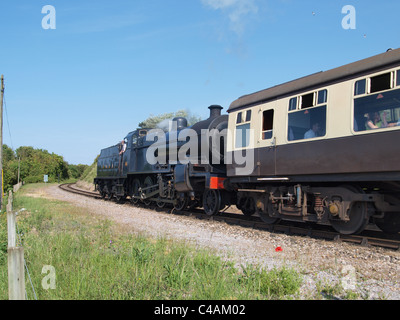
column 323, row 78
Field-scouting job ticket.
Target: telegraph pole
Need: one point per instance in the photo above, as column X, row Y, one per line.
column 1, row 140
column 19, row 167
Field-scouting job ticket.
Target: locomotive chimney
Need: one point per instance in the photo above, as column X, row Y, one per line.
column 215, row 111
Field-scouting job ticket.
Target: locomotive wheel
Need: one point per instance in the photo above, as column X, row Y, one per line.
column 120, row 199
column 135, row 191
column 160, row 203
column 181, row 202
column 147, row 183
column 390, row 223
column 211, row 201
column 358, row 215
column 102, row 193
column 108, row 193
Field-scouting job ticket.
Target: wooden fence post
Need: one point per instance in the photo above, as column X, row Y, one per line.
column 16, row 271
column 11, row 226
column 16, row 274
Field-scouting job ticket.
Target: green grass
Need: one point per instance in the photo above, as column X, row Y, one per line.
column 95, row 259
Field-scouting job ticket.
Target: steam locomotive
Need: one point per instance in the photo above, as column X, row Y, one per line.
column 168, row 181
column 322, row 149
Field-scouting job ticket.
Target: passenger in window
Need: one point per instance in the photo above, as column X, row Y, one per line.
column 313, row 132
column 374, row 121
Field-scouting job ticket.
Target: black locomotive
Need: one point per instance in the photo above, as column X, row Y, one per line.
column 323, row 148
column 181, row 183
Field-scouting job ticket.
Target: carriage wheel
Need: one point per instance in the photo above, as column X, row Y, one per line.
column 358, row 214
column 267, row 219
column 247, row 206
column 266, row 216
column 211, row 201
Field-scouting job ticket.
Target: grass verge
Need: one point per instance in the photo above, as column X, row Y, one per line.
column 92, row 260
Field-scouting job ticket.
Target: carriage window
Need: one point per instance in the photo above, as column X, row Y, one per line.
column 398, row 78
column 307, row 100
column 381, row 82
column 359, row 88
column 268, row 122
column 242, row 135
column 248, row 115
column 377, row 111
column 293, row 104
column 307, row 124
column 239, row 118
column 322, row 96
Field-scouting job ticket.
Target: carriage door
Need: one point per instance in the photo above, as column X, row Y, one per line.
column 266, row 150
column 244, row 145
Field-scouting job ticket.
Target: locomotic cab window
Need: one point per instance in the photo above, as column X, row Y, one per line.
column 308, row 119
column 376, row 107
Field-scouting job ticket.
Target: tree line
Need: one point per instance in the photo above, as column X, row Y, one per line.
column 34, row 164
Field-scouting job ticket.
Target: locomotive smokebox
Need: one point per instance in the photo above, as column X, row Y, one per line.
column 215, row 111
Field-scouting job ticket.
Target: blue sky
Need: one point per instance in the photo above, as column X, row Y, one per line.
column 109, row 65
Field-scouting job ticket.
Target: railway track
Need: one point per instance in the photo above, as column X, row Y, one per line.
column 368, row 237
column 70, row 187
